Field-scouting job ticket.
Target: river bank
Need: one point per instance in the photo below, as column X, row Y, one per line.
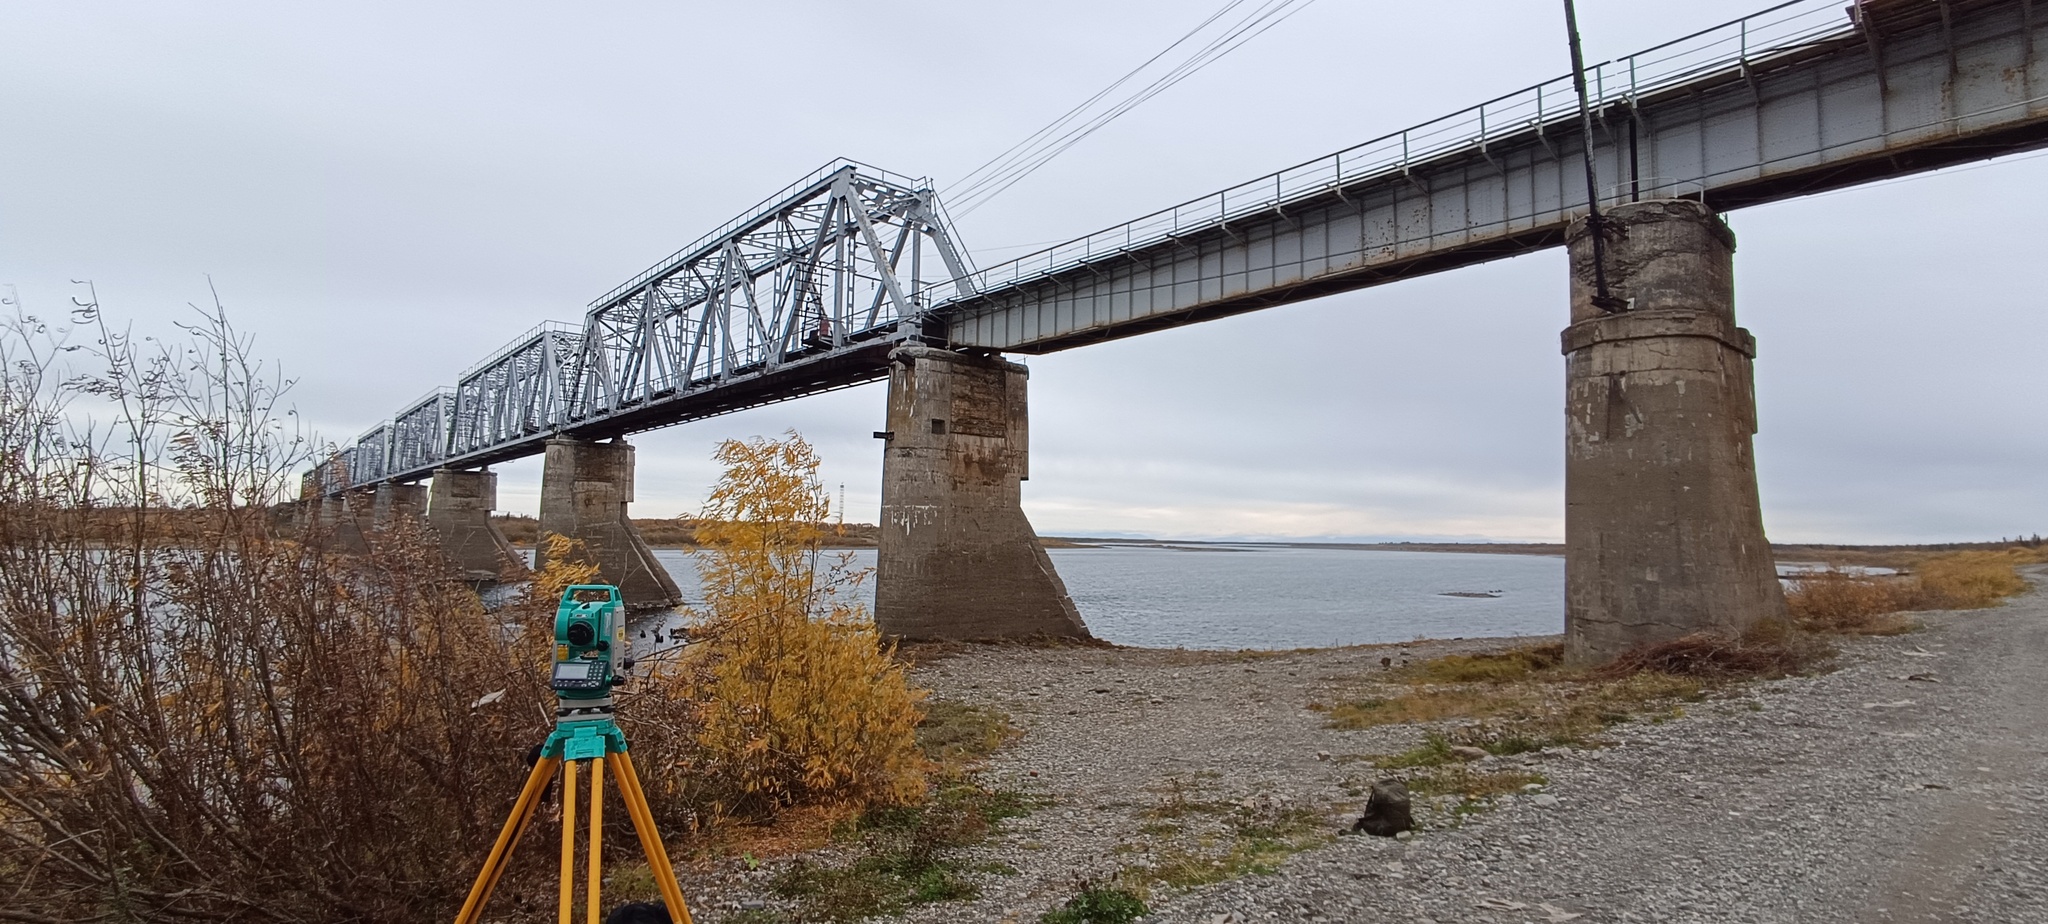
column 1905, row 785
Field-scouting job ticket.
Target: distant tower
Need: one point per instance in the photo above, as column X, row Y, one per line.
column 842, row 503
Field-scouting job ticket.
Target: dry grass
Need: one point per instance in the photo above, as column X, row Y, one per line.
column 956, row 734
column 1847, row 603
column 1969, row 580
column 1771, row 649
column 1490, row 667
column 1852, row 603
column 1525, row 699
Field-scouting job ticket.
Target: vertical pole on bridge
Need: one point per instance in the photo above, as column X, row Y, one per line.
column 1664, row 532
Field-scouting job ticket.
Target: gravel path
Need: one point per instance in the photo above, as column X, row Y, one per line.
column 1855, row 796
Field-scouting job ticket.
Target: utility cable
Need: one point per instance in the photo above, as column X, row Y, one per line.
column 1208, row 55
column 1027, row 156
column 974, row 176
column 1232, row 37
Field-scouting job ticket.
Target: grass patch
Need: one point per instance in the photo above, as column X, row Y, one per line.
column 1434, row 751
column 1253, row 842
column 1491, row 667
column 1415, row 706
column 955, row 733
column 1097, row 903
column 906, row 855
column 632, row 882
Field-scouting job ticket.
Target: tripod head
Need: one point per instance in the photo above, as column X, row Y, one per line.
column 590, row 652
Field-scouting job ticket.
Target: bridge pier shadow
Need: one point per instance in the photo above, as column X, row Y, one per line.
column 958, row 558
column 1664, row 532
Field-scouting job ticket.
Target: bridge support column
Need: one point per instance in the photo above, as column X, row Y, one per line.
column 343, row 516
column 459, row 508
column 958, row 559
column 584, row 490
column 395, row 502
column 1664, row 533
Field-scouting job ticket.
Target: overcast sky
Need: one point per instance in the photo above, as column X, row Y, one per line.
column 384, row 193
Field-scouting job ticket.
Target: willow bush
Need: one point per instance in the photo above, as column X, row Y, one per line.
column 800, row 700
column 220, row 721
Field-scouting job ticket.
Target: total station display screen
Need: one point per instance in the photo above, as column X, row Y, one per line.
column 573, row 675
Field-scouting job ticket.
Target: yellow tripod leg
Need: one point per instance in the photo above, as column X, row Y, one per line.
column 596, row 840
column 650, row 839
column 568, row 893
column 508, row 838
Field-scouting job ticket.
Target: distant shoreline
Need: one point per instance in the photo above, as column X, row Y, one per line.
column 672, row 534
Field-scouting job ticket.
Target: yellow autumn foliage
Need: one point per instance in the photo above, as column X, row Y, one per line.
column 804, row 702
column 566, row 563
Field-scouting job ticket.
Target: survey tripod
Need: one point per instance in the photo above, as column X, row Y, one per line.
column 590, row 633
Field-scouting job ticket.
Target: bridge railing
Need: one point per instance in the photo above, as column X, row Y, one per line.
column 1553, row 102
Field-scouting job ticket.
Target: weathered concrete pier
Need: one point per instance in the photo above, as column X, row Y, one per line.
column 459, row 511
column 585, row 488
column 958, row 558
column 393, row 503
column 1664, row 533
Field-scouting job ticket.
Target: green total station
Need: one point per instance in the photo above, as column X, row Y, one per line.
column 590, row 659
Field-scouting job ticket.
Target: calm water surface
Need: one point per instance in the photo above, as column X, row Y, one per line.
column 1232, row 597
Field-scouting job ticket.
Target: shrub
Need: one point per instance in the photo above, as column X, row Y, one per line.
column 1850, row 603
column 216, row 720
column 802, row 701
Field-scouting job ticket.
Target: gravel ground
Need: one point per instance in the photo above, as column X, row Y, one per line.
column 1853, row 796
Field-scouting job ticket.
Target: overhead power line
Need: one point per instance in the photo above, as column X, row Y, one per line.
column 1022, row 159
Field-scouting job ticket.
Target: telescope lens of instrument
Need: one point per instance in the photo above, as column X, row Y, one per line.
column 580, row 633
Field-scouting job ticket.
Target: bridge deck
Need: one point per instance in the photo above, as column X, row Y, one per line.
column 1833, row 103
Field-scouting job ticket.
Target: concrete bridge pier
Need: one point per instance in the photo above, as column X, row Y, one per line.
column 585, row 488
column 1664, row 533
column 459, row 505
column 394, row 503
column 342, row 517
column 958, row 558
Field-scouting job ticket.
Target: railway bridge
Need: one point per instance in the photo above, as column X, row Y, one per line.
column 851, row 275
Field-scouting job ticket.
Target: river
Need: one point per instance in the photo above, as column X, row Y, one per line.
column 1256, row 596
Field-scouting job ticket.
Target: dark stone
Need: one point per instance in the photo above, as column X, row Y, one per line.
column 1386, row 810
column 654, row 912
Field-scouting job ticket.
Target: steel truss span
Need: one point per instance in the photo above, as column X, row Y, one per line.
column 809, row 291
column 806, row 292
